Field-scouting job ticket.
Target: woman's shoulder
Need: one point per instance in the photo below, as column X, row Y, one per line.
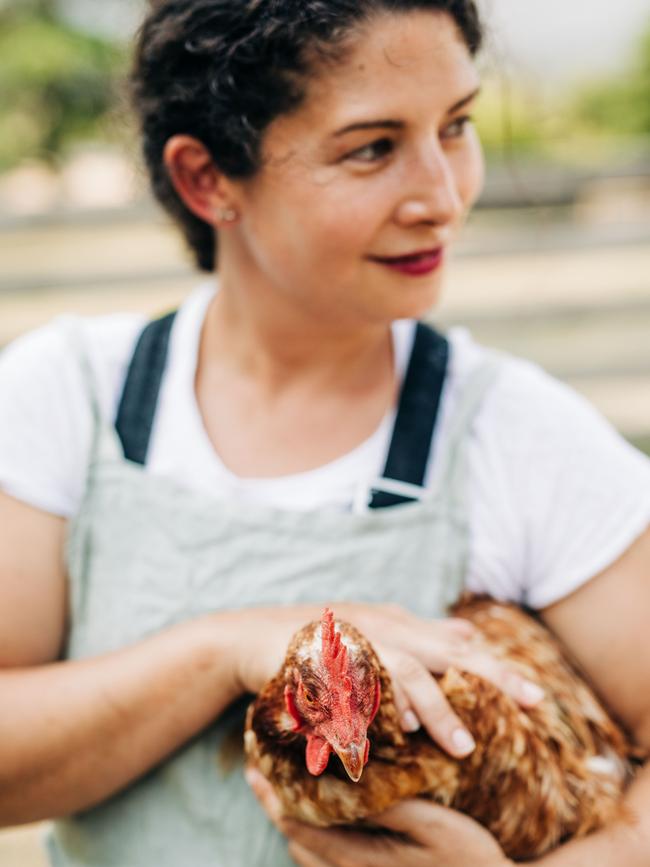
column 515, row 375
column 105, row 340
column 46, row 362
column 557, row 494
column 44, row 404
column 523, row 396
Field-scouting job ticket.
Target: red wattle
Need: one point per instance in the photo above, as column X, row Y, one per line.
column 317, row 754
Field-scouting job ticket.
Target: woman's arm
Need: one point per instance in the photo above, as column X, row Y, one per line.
column 606, row 625
column 73, row 733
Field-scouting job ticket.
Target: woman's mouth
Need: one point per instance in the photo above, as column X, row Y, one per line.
column 415, row 264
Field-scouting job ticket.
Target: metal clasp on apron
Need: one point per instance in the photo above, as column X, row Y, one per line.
column 402, row 491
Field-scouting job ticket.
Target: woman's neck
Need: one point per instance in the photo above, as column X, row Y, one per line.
column 300, row 391
column 265, row 336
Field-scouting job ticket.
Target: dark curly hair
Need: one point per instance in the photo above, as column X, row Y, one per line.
column 223, row 70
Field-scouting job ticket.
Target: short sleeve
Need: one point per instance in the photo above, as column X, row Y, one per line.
column 558, row 494
column 45, row 417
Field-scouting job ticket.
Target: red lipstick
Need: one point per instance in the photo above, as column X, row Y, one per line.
column 415, row 264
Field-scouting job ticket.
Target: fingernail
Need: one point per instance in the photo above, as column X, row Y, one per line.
column 531, row 692
column 410, row 723
column 463, row 741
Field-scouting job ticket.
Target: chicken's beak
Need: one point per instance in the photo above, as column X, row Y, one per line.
column 353, row 758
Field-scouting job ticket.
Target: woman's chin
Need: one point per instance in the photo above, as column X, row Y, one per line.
column 405, row 296
column 418, row 302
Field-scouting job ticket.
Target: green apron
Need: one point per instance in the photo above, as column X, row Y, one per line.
column 145, row 553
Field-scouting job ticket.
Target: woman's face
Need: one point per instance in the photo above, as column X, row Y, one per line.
column 363, row 188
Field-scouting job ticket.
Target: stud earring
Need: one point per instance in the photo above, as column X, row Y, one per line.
column 228, row 215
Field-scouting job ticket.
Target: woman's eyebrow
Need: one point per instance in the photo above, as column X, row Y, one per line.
column 462, row 102
column 370, row 124
column 399, row 124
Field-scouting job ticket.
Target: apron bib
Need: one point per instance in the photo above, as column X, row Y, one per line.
column 145, row 553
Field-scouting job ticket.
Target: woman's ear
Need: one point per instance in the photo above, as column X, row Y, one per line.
column 205, row 191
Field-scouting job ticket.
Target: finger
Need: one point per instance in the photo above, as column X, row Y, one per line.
column 265, row 795
column 343, row 848
column 459, row 628
column 432, row 708
column 437, row 831
column 408, row 718
column 419, row 820
column 438, row 644
column 304, row 858
column 523, row 691
column 271, row 804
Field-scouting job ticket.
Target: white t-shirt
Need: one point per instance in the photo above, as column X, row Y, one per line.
column 555, row 494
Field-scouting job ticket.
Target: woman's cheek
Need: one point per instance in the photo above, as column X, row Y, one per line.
column 347, row 224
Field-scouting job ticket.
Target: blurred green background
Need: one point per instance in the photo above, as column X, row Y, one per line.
column 57, row 85
column 61, row 85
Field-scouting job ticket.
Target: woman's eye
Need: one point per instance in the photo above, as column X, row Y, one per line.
column 456, row 128
column 372, row 152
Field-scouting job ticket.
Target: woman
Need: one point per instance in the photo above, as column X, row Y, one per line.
column 178, row 498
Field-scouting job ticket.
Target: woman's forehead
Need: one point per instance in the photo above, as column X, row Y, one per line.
column 395, row 62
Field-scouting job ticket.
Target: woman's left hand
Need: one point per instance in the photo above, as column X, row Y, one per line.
column 431, row 835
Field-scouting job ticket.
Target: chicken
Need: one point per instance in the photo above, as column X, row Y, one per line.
column 325, row 732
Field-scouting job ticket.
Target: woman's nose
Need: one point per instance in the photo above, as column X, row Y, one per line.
column 432, row 192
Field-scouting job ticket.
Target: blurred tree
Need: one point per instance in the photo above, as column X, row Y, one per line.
column 56, row 84
column 508, row 120
column 596, row 122
column 622, row 105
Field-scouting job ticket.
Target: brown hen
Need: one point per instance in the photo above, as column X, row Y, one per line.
column 537, row 776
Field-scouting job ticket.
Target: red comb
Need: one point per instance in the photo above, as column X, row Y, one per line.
column 334, row 652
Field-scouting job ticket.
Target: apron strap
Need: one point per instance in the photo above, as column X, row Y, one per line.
column 137, row 407
column 416, row 419
column 410, row 446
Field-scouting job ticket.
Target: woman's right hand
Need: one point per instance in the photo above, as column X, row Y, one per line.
column 411, row 648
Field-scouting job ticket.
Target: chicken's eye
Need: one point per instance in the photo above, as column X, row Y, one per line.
column 308, row 696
